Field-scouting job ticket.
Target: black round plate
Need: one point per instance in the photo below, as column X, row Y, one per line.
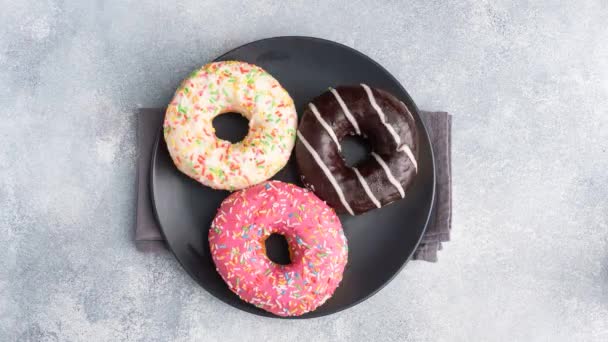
column 380, row 241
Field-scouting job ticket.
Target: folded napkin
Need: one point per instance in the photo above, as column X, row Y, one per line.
column 439, row 126
column 148, row 237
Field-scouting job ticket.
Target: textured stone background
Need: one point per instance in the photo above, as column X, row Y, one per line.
column 528, row 87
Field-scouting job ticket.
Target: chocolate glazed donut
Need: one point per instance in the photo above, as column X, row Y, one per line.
column 374, row 114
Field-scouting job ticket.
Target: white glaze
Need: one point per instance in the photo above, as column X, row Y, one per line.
column 200, row 154
column 368, row 191
column 389, row 174
column 326, row 171
column 407, row 111
column 406, row 149
column 372, row 101
column 347, row 112
column 323, row 123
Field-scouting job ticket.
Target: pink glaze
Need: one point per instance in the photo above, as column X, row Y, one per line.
column 317, row 246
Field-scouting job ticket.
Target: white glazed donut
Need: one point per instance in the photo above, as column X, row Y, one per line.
column 219, row 88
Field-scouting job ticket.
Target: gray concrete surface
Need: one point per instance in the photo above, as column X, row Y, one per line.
column 527, row 84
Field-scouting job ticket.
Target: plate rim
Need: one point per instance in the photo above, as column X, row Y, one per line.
column 429, row 215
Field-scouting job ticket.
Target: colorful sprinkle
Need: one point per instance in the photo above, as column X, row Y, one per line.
column 222, row 87
column 318, row 256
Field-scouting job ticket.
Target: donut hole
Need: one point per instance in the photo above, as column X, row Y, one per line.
column 355, row 149
column 277, row 249
column 231, row 126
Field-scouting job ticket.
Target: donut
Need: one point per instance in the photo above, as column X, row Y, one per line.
column 223, row 87
column 389, row 127
column 317, row 247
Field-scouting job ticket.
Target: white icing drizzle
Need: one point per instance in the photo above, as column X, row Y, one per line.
column 326, row 171
column 347, row 112
column 406, row 149
column 314, row 110
column 389, row 174
column 407, row 111
column 372, row 101
column 368, row 191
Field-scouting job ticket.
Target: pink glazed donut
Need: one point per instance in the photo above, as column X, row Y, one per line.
column 317, row 247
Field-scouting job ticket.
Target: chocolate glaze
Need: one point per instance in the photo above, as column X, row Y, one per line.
column 374, row 130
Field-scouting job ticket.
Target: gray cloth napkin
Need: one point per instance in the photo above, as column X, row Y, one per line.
column 439, row 126
column 148, row 237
